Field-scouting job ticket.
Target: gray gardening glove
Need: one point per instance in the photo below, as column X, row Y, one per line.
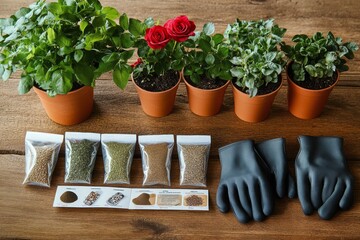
column 244, row 184
column 323, row 180
column 272, row 152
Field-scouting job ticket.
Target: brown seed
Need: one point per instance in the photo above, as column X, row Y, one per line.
column 142, row 199
column 194, row 200
column 68, row 197
column 41, row 158
column 194, row 159
column 156, row 158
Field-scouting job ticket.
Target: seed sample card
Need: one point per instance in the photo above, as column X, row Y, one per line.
column 128, row 198
column 169, row 199
column 92, row 197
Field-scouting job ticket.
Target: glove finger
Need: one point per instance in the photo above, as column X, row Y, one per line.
column 303, row 186
column 254, row 193
column 280, row 178
column 267, row 198
column 348, row 197
column 329, row 186
column 238, row 210
column 291, row 187
column 244, row 197
column 331, row 205
column 222, row 198
column 316, row 190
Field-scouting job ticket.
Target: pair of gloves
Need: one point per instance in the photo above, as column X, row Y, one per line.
column 250, row 171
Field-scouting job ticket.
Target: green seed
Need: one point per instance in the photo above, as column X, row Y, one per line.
column 80, row 160
column 117, row 168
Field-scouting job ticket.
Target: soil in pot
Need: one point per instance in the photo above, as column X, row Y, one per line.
column 158, row 83
column 207, row 83
column 314, row 83
column 265, row 89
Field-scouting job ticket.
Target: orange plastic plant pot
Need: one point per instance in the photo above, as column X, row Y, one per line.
column 157, row 104
column 306, row 103
column 205, row 102
column 68, row 109
column 255, row 109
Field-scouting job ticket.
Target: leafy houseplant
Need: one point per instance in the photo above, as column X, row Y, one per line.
column 207, row 71
column 314, row 70
column 156, row 74
column 257, row 63
column 62, row 46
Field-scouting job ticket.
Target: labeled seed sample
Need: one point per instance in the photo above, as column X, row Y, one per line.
column 68, row 197
column 169, row 200
column 80, row 160
column 42, row 157
column 193, row 164
column 144, row 199
column 91, row 198
column 194, row 200
column 117, row 161
column 115, row 199
column 157, row 166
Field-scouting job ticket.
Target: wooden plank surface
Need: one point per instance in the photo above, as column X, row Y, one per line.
column 27, row 213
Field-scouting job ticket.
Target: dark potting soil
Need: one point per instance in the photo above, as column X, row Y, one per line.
column 158, row 83
column 314, row 83
column 265, row 89
column 207, row 83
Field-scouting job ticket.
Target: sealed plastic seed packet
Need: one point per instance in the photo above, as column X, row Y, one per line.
column 193, row 153
column 156, row 153
column 80, row 155
column 41, row 155
column 118, row 153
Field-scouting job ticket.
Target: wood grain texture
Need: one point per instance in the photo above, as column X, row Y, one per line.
column 27, row 212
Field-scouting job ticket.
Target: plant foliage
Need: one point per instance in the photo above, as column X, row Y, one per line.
column 255, row 57
column 61, row 44
column 318, row 56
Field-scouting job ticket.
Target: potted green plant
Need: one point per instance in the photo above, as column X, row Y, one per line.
column 207, row 71
column 316, row 63
column 62, row 48
column 157, row 73
column 257, row 63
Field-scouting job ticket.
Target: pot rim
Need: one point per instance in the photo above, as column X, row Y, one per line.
column 71, row 92
column 150, row 92
column 206, row 90
column 293, row 83
column 263, row 95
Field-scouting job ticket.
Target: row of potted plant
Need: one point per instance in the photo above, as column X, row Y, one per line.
column 63, row 47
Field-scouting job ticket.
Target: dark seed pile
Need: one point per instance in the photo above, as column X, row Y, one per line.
column 194, row 200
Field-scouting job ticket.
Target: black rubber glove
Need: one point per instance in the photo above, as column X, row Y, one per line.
column 272, row 152
column 244, row 184
column 323, row 180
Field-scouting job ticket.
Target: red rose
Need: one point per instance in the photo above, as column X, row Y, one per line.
column 180, row 28
column 138, row 61
column 157, row 37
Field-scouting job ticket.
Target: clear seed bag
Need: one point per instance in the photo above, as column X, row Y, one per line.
column 80, row 156
column 156, row 153
column 193, row 153
column 41, row 155
column 118, row 153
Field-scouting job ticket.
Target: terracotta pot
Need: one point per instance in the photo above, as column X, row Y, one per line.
column 157, row 104
column 306, row 103
column 205, row 102
column 255, row 109
column 68, row 109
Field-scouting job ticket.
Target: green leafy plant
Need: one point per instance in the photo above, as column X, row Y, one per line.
column 254, row 53
column 207, row 56
column 318, row 56
column 62, row 45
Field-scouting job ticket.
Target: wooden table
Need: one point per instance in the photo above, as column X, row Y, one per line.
column 27, row 212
